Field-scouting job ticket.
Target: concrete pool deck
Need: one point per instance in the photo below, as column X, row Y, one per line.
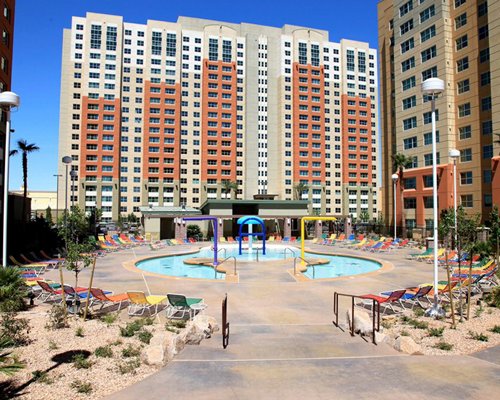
column 283, row 344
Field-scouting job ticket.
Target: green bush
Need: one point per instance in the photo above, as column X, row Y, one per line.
column 81, row 387
column 42, row 377
column 79, row 332
column 57, row 318
column 478, row 336
column 104, row 351
column 495, row 329
column 130, row 366
column 132, row 328
column 81, row 362
column 494, row 297
column 12, row 290
column 145, row 336
column 131, row 351
column 15, row 330
column 436, row 332
column 109, row 319
column 443, row 346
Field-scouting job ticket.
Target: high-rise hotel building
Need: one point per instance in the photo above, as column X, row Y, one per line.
column 458, row 42
column 162, row 114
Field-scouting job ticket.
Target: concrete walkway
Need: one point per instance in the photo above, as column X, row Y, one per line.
column 283, row 344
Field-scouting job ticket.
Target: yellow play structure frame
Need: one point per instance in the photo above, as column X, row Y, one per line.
column 302, row 237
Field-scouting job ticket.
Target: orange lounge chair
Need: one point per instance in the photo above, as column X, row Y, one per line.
column 100, row 297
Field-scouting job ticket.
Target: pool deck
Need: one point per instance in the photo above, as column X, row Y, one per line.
column 283, row 344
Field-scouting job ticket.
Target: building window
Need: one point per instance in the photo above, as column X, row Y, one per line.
column 427, row 13
column 427, row 117
column 462, row 64
column 428, row 138
column 465, row 132
column 483, row 32
column 482, row 9
column 410, row 183
column 429, row 73
column 428, row 202
column 407, row 45
column 465, row 155
column 463, row 86
column 409, row 102
column 461, row 42
column 406, row 27
column 429, row 224
column 486, row 104
column 405, row 8
column 410, row 203
column 466, row 178
column 428, row 159
column 409, row 123
column 427, row 181
column 484, row 55
column 410, row 143
column 488, row 151
column 488, row 200
column 485, row 78
column 464, row 110
column 466, row 200
column 429, row 53
column 461, row 20
column 409, row 83
column 428, row 33
column 458, row 3
column 487, row 127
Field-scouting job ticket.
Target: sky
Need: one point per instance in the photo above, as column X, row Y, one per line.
column 38, row 34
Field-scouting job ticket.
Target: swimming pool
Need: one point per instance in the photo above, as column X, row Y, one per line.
column 337, row 266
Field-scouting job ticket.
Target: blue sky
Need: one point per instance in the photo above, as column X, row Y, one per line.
column 38, row 41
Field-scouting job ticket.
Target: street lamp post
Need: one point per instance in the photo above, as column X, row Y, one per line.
column 433, row 87
column 57, row 197
column 8, row 101
column 395, row 178
column 454, row 155
column 66, row 161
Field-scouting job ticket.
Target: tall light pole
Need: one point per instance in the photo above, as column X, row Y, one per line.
column 73, row 175
column 57, row 196
column 395, row 178
column 433, row 87
column 8, row 101
column 454, row 154
column 66, row 161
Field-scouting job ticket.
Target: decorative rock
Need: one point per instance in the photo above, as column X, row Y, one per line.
column 406, row 344
column 206, row 324
column 362, row 322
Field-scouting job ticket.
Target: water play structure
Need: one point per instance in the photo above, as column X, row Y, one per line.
column 251, row 221
column 215, row 222
column 302, row 225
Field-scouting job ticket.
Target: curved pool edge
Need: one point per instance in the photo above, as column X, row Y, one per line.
column 131, row 266
column 386, row 266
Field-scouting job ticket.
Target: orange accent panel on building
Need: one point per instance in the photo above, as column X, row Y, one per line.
column 421, row 191
column 361, row 160
column 303, row 94
column 218, row 134
column 100, row 120
column 161, row 136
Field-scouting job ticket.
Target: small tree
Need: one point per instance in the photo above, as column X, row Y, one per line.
column 399, row 163
column 300, row 188
column 445, row 229
column 494, row 238
column 364, row 216
column 193, row 231
column 48, row 215
column 78, row 257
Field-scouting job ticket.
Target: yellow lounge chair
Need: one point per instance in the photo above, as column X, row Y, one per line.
column 139, row 302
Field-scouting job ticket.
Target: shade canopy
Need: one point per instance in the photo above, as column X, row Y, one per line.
column 250, row 220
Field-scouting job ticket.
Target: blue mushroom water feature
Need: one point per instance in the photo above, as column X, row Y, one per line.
column 251, row 221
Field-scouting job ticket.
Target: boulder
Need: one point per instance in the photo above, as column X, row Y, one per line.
column 206, row 324
column 406, row 344
column 363, row 323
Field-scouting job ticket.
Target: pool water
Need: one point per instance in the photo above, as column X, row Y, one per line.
column 175, row 266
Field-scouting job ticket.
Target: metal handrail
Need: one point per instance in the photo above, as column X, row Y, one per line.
column 295, row 264
column 290, row 250
column 257, row 253
column 225, row 259
column 222, row 249
column 375, row 308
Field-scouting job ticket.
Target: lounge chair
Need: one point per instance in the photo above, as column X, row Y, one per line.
column 393, row 297
column 104, row 299
column 139, row 302
column 50, row 293
column 180, row 304
column 415, row 298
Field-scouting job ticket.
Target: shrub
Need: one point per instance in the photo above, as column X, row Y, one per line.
column 172, row 329
column 42, row 377
column 109, row 319
column 81, row 362
column 131, row 328
column 57, row 318
column 116, row 342
column 478, row 336
column 129, row 367
column 81, row 387
column 53, row 345
column 145, row 336
column 8, row 365
column 79, row 331
column 443, row 346
column 419, row 312
column 405, row 333
column 131, row 351
column 104, row 351
column 15, row 330
column 12, row 290
column 178, row 324
column 495, row 329
column 414, row 322
column 494, row 297
column 436, row 332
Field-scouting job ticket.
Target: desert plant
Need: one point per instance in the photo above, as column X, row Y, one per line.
column 8, row 364
column 56, row 318
column 442, row 345
column 419, row 312
column 478, row 336
column 172, row 329
column 104, row 352
column 80, row 361
column 436, row 332
column 12, row 290
column 42, row 377
column 131, row 351
column 131, row 328
column 79, row 332
column 495, row 329
column 15, row 329
column 109, row 319
column 53, row 345
column 81, row 387
column 405, row 333
column 145, row 336
column 493, row 298
column 116, row 342
column 130, row 366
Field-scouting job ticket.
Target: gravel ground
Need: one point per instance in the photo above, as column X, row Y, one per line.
column 104, row 375
column 460, row 338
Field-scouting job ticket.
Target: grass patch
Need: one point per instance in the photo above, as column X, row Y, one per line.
column 172, row 329
column 386, row 324
column 109, row 319
column 478, row 336
column 104, row 352
column 145, row 336
column 181, row 324
column 442, row 345
column 129, row 367
column 436, row 332
column 405, row 333
column 131, row 351
column 419, row 312
column 53, row 345
column 81, row 362
column 116, row 342
column 79, row 332
column 42, row 377
column 495, row 329
column 132, row 328
column 414, row 322
column 81, row 387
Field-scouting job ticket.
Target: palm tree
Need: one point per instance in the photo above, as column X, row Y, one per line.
column 234, row 187
column 227, row 186
column 25, row 149
column 300, row 188
column 399, row 163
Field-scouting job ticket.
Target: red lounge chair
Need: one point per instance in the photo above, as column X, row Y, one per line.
column 49, row 293
column 394, row 297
